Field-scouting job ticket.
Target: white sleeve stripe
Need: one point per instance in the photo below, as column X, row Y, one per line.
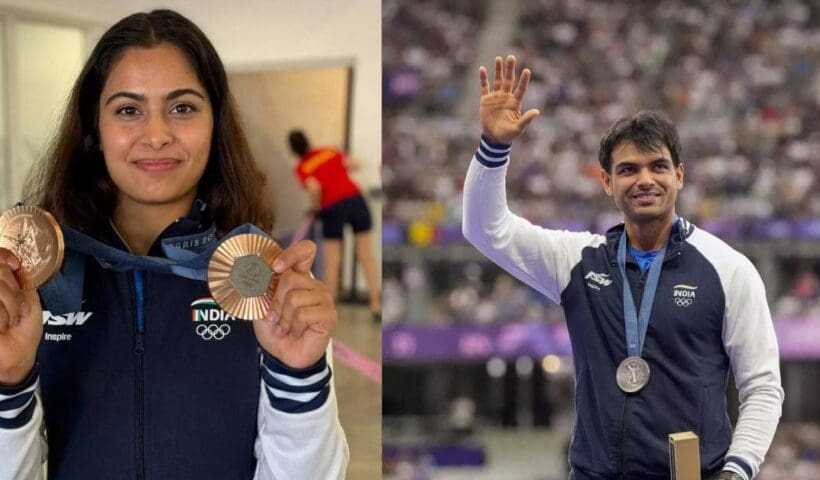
column 298, row 382
column 490, row 149
column 733, row 467
column 27, row 390
column 9, row 414
column 297, row 397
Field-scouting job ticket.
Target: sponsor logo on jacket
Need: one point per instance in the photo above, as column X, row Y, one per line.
column 71, row 319
column 67, row 319
column 599, row 278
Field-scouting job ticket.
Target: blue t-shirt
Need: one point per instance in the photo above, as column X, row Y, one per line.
column 644, row 259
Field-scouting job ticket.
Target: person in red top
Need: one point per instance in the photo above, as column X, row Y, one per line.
column 323, row 172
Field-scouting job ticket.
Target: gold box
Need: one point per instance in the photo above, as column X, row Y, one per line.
column 684, row 456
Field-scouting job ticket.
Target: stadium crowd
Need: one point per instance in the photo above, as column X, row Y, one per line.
column 740, row 80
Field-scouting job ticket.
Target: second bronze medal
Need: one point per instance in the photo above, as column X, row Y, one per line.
column 240, row 278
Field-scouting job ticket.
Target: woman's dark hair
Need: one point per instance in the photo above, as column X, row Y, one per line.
column 299, row 143
column 647, row 130
column 72, row 181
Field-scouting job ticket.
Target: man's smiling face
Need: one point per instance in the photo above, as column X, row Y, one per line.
column 644, row 184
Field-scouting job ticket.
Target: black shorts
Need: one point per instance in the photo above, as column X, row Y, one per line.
column 351, row 210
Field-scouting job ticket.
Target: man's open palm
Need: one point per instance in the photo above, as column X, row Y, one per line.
column 500, row 110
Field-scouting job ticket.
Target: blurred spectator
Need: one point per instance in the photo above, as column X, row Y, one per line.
column 431, row 45
column 793, row 454
column 802, row 301
column 468, row 299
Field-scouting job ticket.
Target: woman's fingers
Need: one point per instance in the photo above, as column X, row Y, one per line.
column 9, row 259
column 298, row 257
column 294, row 292
column 11, row 298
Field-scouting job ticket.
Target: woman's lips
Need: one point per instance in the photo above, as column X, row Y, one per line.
column 157, row 164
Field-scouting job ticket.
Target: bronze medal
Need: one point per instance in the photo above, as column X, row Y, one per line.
column 632, row 374
column 35, row 238
column 240, row 278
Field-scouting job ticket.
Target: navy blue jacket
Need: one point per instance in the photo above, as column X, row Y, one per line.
column 709, row 314
column 152, row 380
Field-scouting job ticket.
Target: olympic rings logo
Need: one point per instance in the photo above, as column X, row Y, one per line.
column 213, row 332
column 683, row 302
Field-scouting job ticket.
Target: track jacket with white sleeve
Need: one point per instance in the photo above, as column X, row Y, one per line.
column 709, row 315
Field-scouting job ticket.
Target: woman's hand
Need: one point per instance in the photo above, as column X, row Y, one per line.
column 21, row 323
column 297, row 329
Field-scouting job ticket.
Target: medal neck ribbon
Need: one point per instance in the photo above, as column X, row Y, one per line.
column 64, row 292
column 180, row 261
column 636, row 323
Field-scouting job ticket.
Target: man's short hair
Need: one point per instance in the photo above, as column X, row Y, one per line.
column 648, row 130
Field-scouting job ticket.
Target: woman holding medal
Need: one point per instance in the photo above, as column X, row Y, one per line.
column 140, row 373
column 658, row 310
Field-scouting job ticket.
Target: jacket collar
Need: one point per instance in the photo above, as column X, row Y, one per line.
column 681, row 230
column 198, row 220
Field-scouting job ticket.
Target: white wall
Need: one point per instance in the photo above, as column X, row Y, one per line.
column 270, row 33
column 40, row 90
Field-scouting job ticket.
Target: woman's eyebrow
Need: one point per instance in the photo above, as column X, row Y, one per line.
column 184, row 91
column 131, row 95
column 141, row 98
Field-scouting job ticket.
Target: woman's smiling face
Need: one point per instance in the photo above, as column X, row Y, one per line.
column 156, row 125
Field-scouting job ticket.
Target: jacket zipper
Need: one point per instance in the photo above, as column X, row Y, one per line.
column 627, row 401
column 624, row 433
column 624, row 430
column 139, row 349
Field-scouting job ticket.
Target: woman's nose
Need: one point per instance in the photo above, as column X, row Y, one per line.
column 157, row 132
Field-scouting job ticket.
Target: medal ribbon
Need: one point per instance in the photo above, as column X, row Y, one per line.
column 64, row 292
column 181, row 262
column 636, row 323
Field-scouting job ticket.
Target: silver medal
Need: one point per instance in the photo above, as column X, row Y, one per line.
column 632, row 374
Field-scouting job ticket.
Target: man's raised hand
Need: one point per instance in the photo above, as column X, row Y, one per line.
column 500, row 110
